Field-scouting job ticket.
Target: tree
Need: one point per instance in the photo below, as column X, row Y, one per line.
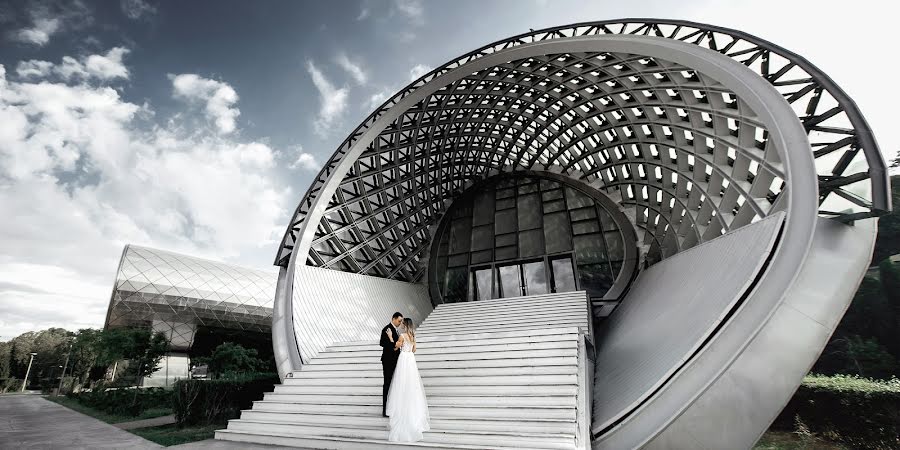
column 228, row 359
column 142, row 348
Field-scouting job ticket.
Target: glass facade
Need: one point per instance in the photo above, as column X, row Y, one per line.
column 176, row 294
column 526, row 235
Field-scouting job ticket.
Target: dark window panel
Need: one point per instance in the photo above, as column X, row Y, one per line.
column 576, row 199
column 589, row 248
column 455, row 284
column 506, row 193
column 557, row 233
column 582, row 213
column 585, row 227
column 506, row 203
column 458, row 260
column 614, row 245
column 554, row 206
column 555, row 194
column 528, row 188
column 505, row 240
column 596, row 279
column 506, row 253
column 606, row 221
column 483, row 209
column 529, row 212
column 531, row 243
column 483, row 237
column 505, row 221
column 484, row 256
column 460, row 235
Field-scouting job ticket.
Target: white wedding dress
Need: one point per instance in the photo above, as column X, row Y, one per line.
column 406, row 402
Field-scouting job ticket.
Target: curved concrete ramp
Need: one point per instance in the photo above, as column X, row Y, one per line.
column 669, row 313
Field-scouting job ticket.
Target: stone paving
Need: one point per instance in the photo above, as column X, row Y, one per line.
column 28, row 421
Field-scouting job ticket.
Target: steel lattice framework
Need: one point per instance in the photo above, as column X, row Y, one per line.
column 176, row 293
column 684, row 155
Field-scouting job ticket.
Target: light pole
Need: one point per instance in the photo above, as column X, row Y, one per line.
column 59, row 389
column 28, row 371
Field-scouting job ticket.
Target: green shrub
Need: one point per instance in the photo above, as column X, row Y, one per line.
column 126, row 402
column 204, row 402
column 859, row 412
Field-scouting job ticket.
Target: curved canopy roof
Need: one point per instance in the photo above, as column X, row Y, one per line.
column 685, row 155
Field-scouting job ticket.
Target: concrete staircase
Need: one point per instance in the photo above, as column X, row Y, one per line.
column 502, row 373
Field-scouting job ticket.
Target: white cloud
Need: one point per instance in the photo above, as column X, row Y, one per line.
column 363, row 12
column 39, row 33
column 218, row 96
column 305, row 161
column 413, row 10
column 352, row 68
column 48, row 19
column 107, row 66
column 378, row 98
column 136, row 9
column 83, row 176
column 417, row 71
column 100, row 67
column 34, row 68
column 333, row 101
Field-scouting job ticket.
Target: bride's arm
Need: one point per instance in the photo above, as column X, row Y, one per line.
column 399, row 342
column 414, row 346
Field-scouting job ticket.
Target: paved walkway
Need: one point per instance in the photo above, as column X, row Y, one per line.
column 28, row 421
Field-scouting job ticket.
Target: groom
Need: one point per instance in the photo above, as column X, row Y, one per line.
column 389, row 356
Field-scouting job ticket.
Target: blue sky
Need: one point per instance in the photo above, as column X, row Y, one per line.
column 197, row 126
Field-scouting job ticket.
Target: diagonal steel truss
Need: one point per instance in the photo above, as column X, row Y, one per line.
column 685, row 155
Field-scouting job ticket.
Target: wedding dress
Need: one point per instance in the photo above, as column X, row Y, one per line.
column 406, row 402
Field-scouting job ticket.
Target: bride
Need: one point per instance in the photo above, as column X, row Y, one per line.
column 406, row 403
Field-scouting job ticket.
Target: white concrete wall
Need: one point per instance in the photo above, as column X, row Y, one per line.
column 671, row 309
column 333, row 306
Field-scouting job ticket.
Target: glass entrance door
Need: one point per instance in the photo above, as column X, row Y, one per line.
column 563, row 275
column 522, row 279
column 535, row 276
column 510, row 280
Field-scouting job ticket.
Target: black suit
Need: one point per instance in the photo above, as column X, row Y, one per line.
column 389, row 356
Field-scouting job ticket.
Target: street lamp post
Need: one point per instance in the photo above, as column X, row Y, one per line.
column 28, row 371
column 59, row 389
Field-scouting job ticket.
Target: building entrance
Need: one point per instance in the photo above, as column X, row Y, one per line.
column 522, row 278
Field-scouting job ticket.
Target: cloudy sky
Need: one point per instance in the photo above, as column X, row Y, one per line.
column 197, row 126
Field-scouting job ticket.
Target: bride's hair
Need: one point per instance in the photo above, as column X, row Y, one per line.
column 410, row 327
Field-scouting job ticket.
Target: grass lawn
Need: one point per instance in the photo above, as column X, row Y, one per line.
column 172, row 435
column 106, row 417
column 781, row 440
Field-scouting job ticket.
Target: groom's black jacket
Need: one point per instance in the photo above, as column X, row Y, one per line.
column 388, row 354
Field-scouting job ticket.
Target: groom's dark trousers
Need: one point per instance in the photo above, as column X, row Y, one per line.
column 389, row 358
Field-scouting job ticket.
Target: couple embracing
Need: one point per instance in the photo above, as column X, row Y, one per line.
column 403, row 397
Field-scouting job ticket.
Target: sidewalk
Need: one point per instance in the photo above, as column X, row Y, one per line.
column 28, row 421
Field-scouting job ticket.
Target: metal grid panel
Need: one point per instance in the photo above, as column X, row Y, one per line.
column 684, row 153
column 175, row 293
column 852, row 176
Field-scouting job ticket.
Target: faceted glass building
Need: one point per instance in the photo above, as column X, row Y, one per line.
column 177, row 294
column 641, row 232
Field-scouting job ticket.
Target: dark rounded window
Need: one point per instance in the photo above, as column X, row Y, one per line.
column 515, row 235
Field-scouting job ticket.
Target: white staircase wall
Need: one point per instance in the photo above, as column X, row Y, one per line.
column 333, row 306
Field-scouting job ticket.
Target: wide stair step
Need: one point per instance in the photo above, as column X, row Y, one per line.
column 498, row 374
